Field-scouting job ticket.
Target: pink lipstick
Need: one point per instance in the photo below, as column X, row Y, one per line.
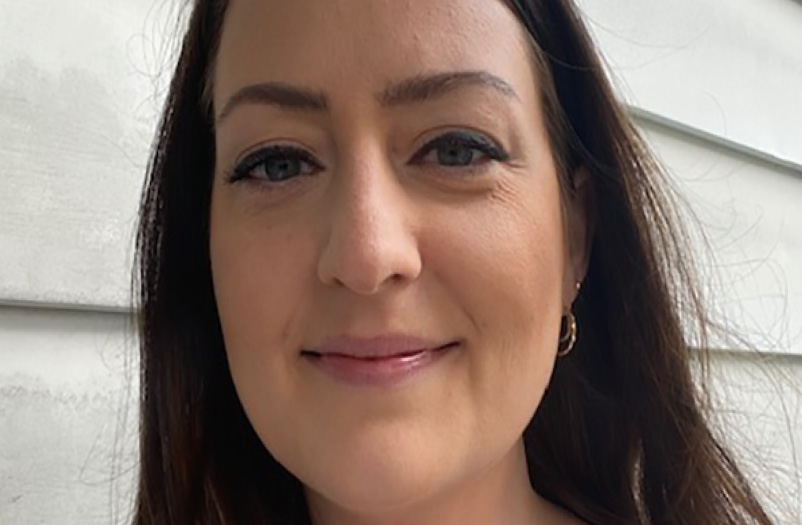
column 376, row 361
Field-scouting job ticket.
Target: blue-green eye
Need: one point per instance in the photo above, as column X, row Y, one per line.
column 275, row 164
column 458, row 149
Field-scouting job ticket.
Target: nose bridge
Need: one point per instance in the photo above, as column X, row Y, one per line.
column 369, row 240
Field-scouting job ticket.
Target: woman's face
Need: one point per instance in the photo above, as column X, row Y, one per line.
column 384, row 185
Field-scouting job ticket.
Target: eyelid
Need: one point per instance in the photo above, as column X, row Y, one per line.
column 475, row 139
column 247, row 162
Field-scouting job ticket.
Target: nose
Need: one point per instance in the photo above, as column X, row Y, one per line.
column 369, row 240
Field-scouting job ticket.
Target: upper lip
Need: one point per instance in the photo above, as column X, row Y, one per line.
column 386, row 345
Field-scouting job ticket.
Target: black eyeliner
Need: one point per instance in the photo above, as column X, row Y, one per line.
column 245, row 167
column 464, row 138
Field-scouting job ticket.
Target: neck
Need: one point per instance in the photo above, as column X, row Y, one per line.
column 501, row 494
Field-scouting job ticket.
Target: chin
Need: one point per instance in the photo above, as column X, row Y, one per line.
column 380, row 476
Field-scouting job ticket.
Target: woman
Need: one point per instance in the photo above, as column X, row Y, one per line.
column 409, row 262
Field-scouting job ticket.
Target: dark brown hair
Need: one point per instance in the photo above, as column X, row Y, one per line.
column 620, row 436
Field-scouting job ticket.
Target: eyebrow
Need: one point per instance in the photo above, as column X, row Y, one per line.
column 425, row 87
column 416, row 89
column 276, row 94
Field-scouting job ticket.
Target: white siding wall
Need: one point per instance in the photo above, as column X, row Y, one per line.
column 715, row 85
column 67, row 417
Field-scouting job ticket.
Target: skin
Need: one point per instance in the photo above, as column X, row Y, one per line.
column 372, row 242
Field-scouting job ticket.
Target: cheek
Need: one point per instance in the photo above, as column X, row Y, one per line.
column 258, row 287
column 505, row 261
column 261, row 286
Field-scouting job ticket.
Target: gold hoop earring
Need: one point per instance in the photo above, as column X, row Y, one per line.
column 569, row 338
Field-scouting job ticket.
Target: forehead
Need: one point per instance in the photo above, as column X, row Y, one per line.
column 355, row 47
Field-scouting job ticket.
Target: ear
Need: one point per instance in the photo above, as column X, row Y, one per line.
column 580, row 222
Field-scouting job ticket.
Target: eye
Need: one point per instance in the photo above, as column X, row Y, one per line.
column 457, row 149
column 275, row 164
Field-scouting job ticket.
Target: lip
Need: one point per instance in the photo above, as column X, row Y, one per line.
column 387, row 345
column 376, row 361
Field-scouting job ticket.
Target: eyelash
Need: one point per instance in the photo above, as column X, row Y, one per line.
column 472, row 140
column 245, row 168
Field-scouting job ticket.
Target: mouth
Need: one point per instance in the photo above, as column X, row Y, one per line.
column 382, row 369
column 312, row 354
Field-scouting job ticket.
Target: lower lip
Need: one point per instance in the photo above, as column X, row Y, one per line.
column 382, row 372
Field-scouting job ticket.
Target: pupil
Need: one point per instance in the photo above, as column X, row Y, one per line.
column 282, row 169
column 456, row 155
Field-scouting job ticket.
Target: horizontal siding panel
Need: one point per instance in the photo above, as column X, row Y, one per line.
column 68, row 417
column 743, row 214
column 78, row 107
column 729, row 68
